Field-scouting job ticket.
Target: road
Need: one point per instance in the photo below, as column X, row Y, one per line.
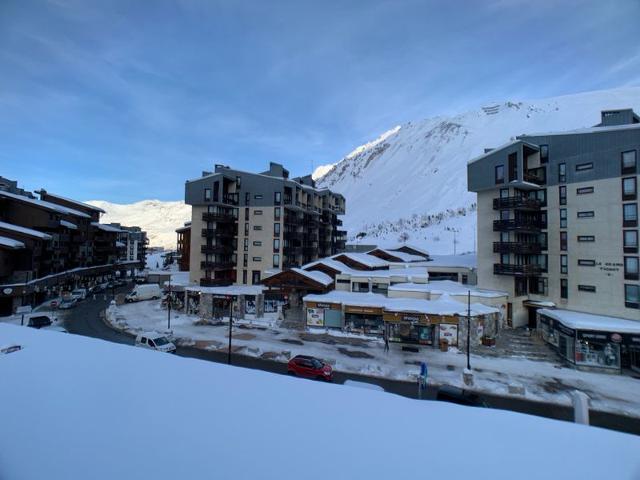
column 86, row 320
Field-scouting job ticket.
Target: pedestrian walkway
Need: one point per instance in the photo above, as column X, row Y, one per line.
column 519, row 342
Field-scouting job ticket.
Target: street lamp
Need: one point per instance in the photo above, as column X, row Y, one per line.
column 169, row 306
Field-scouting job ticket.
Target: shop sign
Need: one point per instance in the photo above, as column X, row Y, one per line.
column 631, row 340
column 616, row 338
column 364, row 310
column 7, row 291
column 324, row 305
column 449, row 333
column 565, row 330
column 315, row 317
column 594, row 336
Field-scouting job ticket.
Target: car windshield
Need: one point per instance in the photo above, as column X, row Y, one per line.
column 160, row 341
column 316, row 363
column 67, row 300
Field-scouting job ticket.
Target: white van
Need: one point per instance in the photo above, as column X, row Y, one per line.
column 144, row 292
column 79, row 293
column 155, row 341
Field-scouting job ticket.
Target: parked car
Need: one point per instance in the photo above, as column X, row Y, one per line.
column 39, row 321
column 56, row 328
column 364, row 385
column 310, row 367
column 101, row 287
column 144, row 292
column 120, row 282
column 10, row 349
column 53, row 304
column 459, row 396
column 155, row 341
column 67, row 303
column 79, row 293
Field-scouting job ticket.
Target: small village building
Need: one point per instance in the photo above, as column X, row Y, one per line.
column 396, row 256
column 591, row 341
column 293, row 284
column 361, row 261
column 456, row 291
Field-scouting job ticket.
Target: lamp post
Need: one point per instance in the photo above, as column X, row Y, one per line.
column 230, row 328
column 468, row 329
column 169, row 306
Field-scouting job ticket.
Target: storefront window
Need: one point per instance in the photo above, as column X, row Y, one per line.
column 597, row 354
column 411, row 333
column 372, row 324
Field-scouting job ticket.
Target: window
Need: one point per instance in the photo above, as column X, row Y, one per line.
column 277, row 198
column 257, row 197
column 586, row 214
column 513, row 166
column 629, row 162
column 255, row 277
column 257, row 212
column 238, row 182
column 257, row 227
column 247, row 197
column 631, row 268
column 245, row 260
column 207, row 194
column 563, row 218
column 563, row 241
column 276, row 229
column 244, row 276
column 562, row 172
column 246, row 229
column 632, row 296
column 256, row 259
column 276, row 213
column 629, row 188
column 587, row 288
column 276, row 245
column 520, row 286
column 584, row 190
column 586, row 238
column 562, row 193
column 216, row 191
column 564, row 266
column 586, row 263
column 504, row 214
column 257, row 243
column 630, row 242
column 630, row 215
column 246, row 245
column 544, row 153
column 543, row 238
column 541, row 195
column 499, row 174
column 276, row 260
column 584, row 166
column 246, row 214
column 564, row 288
column 504, row 258
column 504, row 193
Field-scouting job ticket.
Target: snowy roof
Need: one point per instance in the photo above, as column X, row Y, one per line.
column 11, row 243
column 46, row 205
column 589, row 321
column 70, row 225
column 398, row 273
column 455, row 261
column 405, row 257
column 329, row 262
column 121, row 244
column 502, row 147
column 80, row 204
column 106, row 228
column 364, row 259
column 580, row 131
column 396, row 247
column 316, row 276
column 229, row 290
column 447, row 286
column 25, row 231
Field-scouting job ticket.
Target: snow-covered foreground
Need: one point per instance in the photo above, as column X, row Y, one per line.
column 542, row 380
column 76, row 407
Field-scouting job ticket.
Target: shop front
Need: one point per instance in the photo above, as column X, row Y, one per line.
column 412, row 328
column 328, row 315
column 631, row 351
column 367, row 320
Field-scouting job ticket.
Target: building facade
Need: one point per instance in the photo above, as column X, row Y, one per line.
column 558, row 220
column 244, row 224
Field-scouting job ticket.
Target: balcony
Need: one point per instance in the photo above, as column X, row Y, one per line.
column 230, row 199
column 221, row 216
column 218, row 232
column 517, row 225
column 213, row 249
column 537, row 176
column 215, row 282
column 529, row 270
column 223, row 265
column 519, row 203
column 517, row 247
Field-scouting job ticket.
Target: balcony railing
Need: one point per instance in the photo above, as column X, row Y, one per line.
column 218, row 232
column 211, row 265
column 517, row 247
column 213, row 249
column 221, row 216
column 517, row 225
column 536, row 175
column 529, row 270
column 215, row 282
column 516, row 202
column 230, row 198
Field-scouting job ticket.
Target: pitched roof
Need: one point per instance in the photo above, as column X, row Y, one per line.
column 24, row 231
column 45, row 205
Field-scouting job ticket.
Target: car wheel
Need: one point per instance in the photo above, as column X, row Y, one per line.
column 292, row 373
column 321, row 378
column 155, row 298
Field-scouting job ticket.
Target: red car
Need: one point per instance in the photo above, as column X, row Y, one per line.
column 310, row 367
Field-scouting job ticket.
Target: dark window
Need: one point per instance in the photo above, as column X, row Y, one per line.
column 542, row 196
column 564, row 288
column 630, row 242
column 247, row 198
column 257, row 212
column 563, row 241
column 629, row 188
column 632, row 296
column 276, row 261
column 255, row 277
column 562, row 172
column 276, row 245
column 586, row 263
column 563, row 218
column 631, row 268
column 245, row 260
column 584, row 166
column 276, row 229
column 543, row 240
column 587, row 214
column 257, row 243
column 246, row 229
column 499, row 174
column 629, row 162
column 207, row 194
column 277, row 198
column 504, row 214
column 586, row 238
column 587, row 288
column 256, row 259
column 630, row 215
column 562, row 194
column 244, row 276
column 544, row 153
column 216, row 191
column 513, row 166
column 504, row 193
column 246, row 214
column 584, row 190
column 520, row 286
column 257, row 227
column 276, row 213
column 246, row 245
column 564, row 265
column 238, row 182
column 257, row 197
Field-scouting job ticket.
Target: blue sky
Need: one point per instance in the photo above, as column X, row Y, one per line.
column 124, row 101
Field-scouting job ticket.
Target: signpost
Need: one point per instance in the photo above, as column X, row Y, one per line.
column 422, row 379
column 23, row 309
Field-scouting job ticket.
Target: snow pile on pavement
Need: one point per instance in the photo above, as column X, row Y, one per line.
column 110, row 411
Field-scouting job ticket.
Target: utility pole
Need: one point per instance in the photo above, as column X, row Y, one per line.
column 230, row 328
column 169, row 306
column 468, row 329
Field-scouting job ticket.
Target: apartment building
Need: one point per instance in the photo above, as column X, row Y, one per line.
column 131, row 243
column 244, row 224
column 558, row 220
column 183, row 246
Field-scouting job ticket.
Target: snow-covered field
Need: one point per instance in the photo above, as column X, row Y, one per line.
column 365, row 355
column 75, row 407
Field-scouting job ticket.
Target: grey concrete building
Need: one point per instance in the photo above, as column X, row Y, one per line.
column 558, row 219
column 244, row 224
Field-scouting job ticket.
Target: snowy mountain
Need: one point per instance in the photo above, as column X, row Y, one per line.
column 159, row 219
column 413, row 177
